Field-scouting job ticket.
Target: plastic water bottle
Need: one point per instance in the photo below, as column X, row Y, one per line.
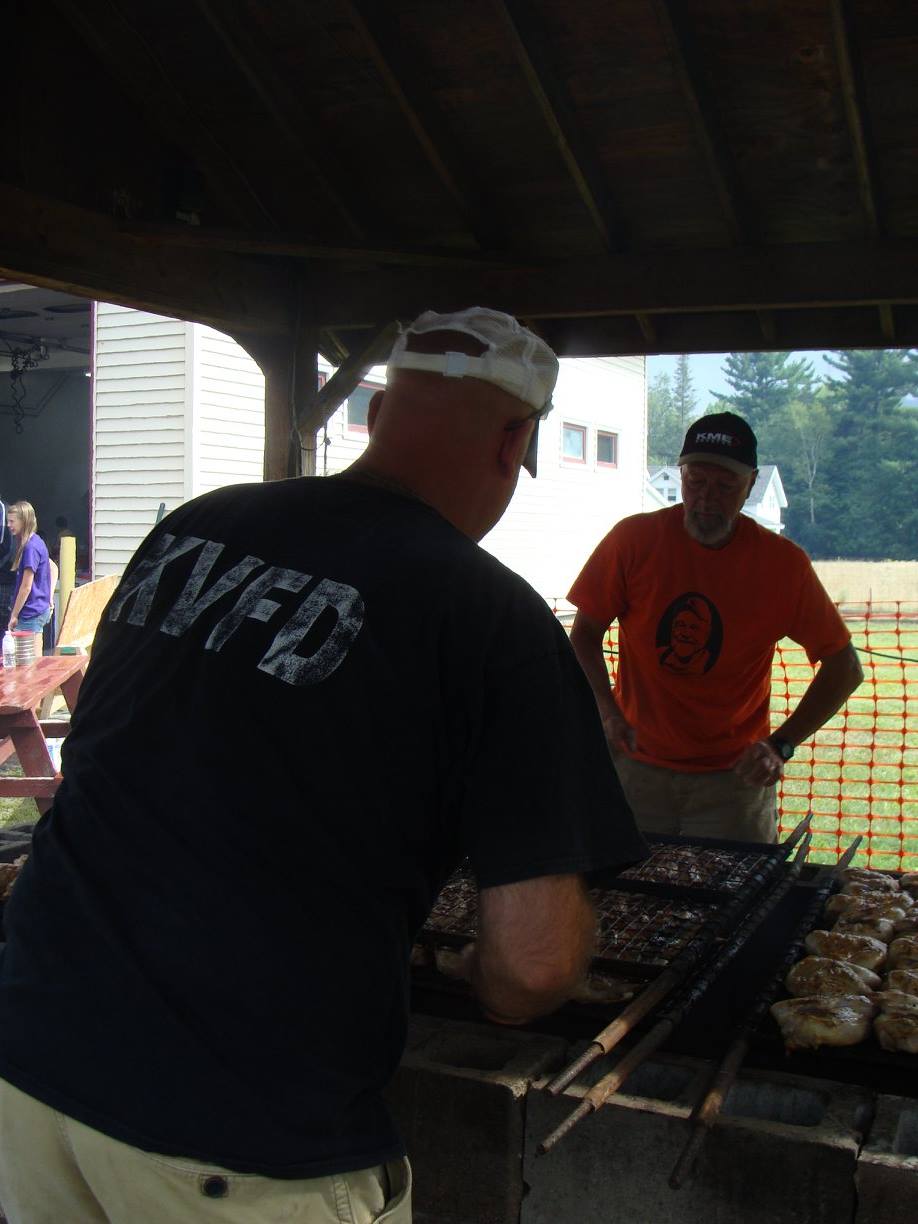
column 9, row 650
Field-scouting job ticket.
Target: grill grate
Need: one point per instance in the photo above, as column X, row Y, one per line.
column 646, row 930
column 632, row 928
column 698, row 866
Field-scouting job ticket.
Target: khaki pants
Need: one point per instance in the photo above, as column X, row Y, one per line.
column 54, row 1170
column 717, row 804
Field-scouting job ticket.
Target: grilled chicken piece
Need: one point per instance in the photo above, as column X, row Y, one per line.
column 817, row 975
column 870, row 905
column 872, row 881
column 905, row 980
column 895, row 1002
column 860, row 950
column 898, row 1030
column 909, row 881
column 877, row 928
column 815, row 1020
column 903, row 952
column 906, row 925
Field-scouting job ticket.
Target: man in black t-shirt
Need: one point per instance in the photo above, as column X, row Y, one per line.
column 308, row 701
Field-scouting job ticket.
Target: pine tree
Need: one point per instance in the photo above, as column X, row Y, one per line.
column 685, row 401
column 763, row 384
column 874, row 456
column 664, row 439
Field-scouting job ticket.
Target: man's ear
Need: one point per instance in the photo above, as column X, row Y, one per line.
column 512, row 451
column 752, row 479
column 373, row 409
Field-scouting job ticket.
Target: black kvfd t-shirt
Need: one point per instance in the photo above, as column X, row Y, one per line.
column 307, row 701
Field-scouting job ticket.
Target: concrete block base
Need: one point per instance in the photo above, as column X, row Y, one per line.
column 784, row 1152
column 887, row 1169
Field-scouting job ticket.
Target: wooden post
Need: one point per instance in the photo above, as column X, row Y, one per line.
column 67, row 565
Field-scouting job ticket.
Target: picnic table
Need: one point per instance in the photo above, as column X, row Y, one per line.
column 22, row 690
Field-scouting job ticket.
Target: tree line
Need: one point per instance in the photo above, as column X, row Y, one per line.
column 846, row 445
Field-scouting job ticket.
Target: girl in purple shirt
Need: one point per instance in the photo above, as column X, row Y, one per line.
column 32, row 597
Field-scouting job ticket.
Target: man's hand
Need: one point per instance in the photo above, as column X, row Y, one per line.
column 13, row 622
column 759, row 765
column 619, row 733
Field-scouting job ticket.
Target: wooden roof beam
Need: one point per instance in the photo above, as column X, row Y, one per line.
column 133, row 63
column 374, row 22
column 815, row 275
column 531, row 48
column 281, row 106
column 280, row 245
column 708, row 129
column 74, row 250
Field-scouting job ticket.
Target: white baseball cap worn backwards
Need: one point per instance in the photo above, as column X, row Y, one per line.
column 514, row 358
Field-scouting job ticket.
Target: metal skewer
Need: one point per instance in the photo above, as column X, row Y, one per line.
column 671, row 977
column 710, row 1105
column 601, row 1091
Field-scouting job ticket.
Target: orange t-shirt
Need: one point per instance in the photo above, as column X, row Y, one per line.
column 698, row 629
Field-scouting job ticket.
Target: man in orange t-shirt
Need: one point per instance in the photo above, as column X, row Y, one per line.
column 702, row 595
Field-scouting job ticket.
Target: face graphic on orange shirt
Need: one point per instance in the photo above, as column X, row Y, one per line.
column 689, row 635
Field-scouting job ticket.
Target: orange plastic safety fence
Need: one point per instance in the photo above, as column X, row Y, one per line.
column 859, row 774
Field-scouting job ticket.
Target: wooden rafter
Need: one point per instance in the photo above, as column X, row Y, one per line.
column 374, row 22
column 852, row 88
column 706, row 124
column 126, row 54
column 283, row 109
column 530, row 45
column 852, row 95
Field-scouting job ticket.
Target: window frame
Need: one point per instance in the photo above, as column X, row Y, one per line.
column 605, row 463
column 583, row 431
column 351, row 428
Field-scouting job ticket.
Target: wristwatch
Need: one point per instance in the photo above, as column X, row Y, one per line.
column 784, row 748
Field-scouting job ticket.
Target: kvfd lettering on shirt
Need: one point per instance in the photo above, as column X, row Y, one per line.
column 340, row 606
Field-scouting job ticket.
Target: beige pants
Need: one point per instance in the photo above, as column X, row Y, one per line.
column 54, row 1170
column 697, row 804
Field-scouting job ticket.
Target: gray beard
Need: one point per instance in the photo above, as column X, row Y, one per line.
column 710, row 537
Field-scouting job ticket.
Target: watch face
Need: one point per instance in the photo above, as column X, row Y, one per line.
column 784, row 750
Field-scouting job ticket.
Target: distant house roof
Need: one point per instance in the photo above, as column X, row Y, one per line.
column 768, row 473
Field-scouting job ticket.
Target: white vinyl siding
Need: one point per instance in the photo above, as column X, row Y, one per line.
column 139, row 422
column 178, row 410
column 229, row 413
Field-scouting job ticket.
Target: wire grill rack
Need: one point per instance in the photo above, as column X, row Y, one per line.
column 646, row 930
column 697, row 866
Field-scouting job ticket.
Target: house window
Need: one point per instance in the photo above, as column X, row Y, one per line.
column 573, row 443
column 606, row 449
column 358, row 403
column 671, row 495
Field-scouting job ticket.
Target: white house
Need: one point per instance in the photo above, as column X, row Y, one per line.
column 765, row 503
column 178, row 409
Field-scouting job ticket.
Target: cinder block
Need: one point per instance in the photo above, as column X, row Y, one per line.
column 459, row 1101
column 783, row 1152
column 887, row 1169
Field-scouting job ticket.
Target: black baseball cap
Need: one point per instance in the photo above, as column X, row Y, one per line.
column 723, row 438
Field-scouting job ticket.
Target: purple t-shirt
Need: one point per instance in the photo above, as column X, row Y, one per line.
column 35, row 557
